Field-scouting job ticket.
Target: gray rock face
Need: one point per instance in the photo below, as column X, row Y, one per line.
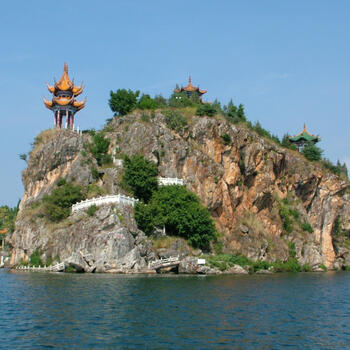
column 101, row 243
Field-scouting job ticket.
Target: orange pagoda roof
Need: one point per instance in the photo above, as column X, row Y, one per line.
column 64, row 92
column 2, row 232
column 190, row 88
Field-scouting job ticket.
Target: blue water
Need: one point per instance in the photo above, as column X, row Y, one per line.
column 71, row 311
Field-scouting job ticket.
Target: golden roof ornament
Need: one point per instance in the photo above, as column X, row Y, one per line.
column 63, row 102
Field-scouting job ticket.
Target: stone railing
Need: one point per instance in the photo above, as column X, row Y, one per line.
column 165, row 181
column 59, row 267
column 110, row 199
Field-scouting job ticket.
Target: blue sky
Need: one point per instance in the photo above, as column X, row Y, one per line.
column 288, row 62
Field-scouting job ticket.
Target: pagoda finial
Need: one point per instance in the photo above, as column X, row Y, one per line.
column 189, row 79
column 66, row 67
column 304, row 127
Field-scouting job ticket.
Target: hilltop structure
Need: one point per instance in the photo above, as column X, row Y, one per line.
column 190, row 90
column 63, row 102
column 301, row 139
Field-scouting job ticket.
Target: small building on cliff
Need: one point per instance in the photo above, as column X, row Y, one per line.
column 63, row 103
column 191, row 90
column 301, row 139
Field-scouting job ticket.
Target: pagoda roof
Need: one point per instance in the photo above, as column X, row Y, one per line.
column 190, row 88
column 304, row 135
column 65, row 84
column 4, row 231
column 70, row 91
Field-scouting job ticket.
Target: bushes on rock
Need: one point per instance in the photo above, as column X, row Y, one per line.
column 35, row 259
column 57, row 205
column 92, row 210
column 175, row 120
column 180, row 212
column 140, row 175
column 99, row 148
column 206, row 109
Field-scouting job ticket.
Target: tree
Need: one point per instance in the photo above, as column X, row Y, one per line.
column 236, row 114
column 140, row 175
column 99, row 148
column 180, row 99
column 146, row 102
column 23, row 156
column 287, row 144
column 180, row 212
column 123, row 101
column 206, row 109
column 160, row 101
column 312, row 152
column 58, row 204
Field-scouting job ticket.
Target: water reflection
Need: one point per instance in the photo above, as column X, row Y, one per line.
column 300, row 311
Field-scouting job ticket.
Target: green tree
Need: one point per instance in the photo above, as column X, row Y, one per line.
column 99, row 148
column 206, row 109
column 146, row 102
column 123, row 101
column 286, row 143
column 140, row 175
column 58, row 204
column 181, row 213
column 180, row 99
column 312, row 152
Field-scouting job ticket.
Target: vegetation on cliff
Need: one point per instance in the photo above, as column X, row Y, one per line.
column 7, row 218
column 180, row 212
column 58, row 204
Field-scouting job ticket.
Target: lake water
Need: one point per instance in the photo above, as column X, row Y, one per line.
column 82, row 311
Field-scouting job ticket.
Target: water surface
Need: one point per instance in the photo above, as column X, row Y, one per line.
column 72, row 311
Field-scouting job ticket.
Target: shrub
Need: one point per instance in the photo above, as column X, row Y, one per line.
column 323, row 267
column 175, row 121
column 123, row 101
column 312, row 152
column 140, row 175
column 92, row 210
column 99, row 148
column 305, row 226
column 146, row 102
column 180, row 99
column 181, row 213
column 287, row 144
column 58, row 204
column 291, row 265
column 287, row 222
column 35, row 259
column 226, row 138
column 206, row 109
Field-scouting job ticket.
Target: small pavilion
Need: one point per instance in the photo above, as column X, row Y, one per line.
column 189, row 89
column 63, row 102
column 301, row 139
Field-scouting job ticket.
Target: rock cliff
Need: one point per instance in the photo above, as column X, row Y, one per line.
column 268, row 202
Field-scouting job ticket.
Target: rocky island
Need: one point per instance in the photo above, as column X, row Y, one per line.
column 252, row 187
column 237, row 200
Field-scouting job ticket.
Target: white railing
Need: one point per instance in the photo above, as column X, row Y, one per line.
column 165, row 262
column 166, row 181
column 53, row 268
column 110, row 199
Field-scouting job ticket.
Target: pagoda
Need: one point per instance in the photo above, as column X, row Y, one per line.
column 63, row 102
column 189, row 89
column 301, row 139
